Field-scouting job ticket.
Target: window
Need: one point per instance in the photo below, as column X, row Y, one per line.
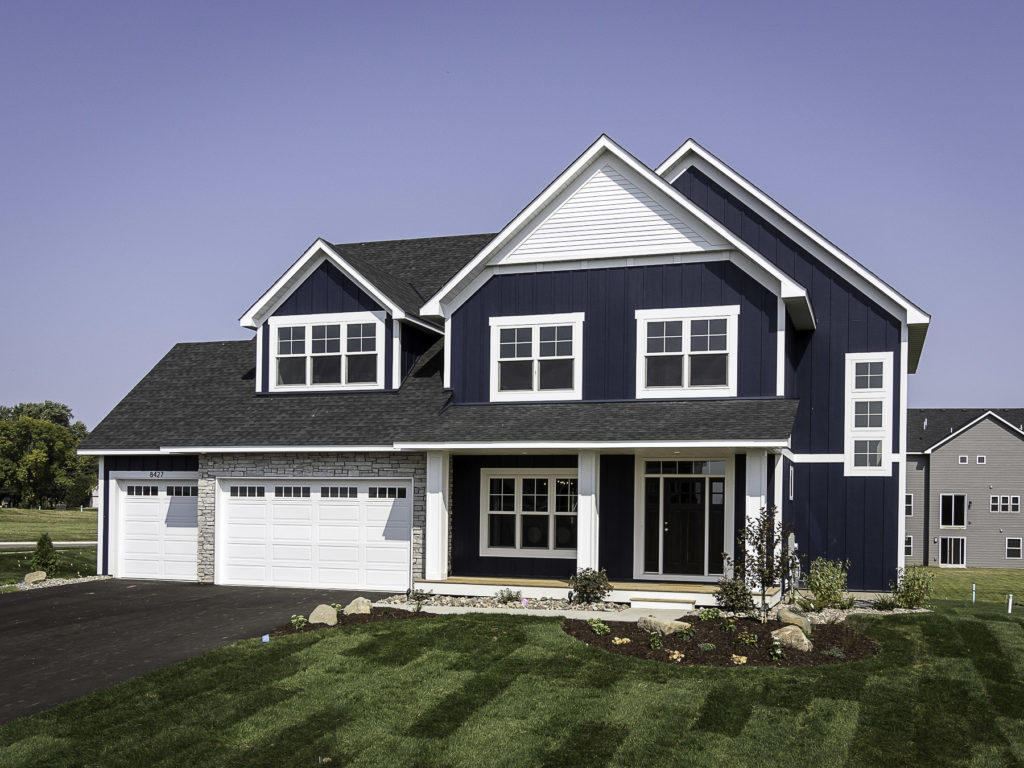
column 964, row 460
column 982, row 460
column 528, row 513
column 908, row 505
column 953, row 510
column 686, row 352
column 792, row 481
column 390, row 492
column 868, row 444
column 143, row 490
column 1013, row 549
column 342, row 351
column 336, row 492
column 537, row 357
column 952, row 551
column 182, row 490
column 247, row 491
column 291, row 491
column 1004, row 503
column 908, row 546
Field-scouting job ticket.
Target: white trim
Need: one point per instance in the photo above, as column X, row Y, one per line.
column 535, row 322
column 279, row 449
column 342, row 319
column 101, row 542
column 156, row 476
column 446, row 383
column 119, row 452
column 901, row 475
column 970, row 424
column 1020, row 548
column 790, row 289
column 547, row 445
column 587, row 516
column 854, row 434
column 259, row 359
column 756, row 489
column 780, row 348
column 792, row 481
column 435, row 535
column 962, row 539
column 396, row 355
column 813, row 458
column 551, row 474
column 642, row 317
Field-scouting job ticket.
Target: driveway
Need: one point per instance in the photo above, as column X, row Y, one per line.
column 59, row 643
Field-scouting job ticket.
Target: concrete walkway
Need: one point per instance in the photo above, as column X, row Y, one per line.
column 630, row 614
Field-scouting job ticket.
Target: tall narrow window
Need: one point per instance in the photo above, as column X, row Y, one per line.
column 687, row 352
column 868, row 444
column 537, row 357
column 908, row 505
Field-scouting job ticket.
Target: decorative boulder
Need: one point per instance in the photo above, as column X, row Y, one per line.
column 324, row 614
column 789, row 616
column 653, row 624
column 35, row 577
column 793, row 637
column 359, row 605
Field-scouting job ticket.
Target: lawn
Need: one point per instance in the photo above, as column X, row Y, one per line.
column 30, row 524
column 994, row 584
column 14, row 564
column 499, row 690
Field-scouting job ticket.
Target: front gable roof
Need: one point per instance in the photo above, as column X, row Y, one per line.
column 930, row 428
column 565, row 211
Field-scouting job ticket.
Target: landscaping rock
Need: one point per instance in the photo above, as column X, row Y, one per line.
column 789, row 616
column 35, row 577
column 359, row 605
column 324, row 614
column 793, row 637
column 653, row 624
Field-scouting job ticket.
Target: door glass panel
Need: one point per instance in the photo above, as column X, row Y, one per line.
column 652, row 523
column 716, row 525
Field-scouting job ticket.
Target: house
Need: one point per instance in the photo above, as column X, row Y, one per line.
column 635, row 363
column 965, row 479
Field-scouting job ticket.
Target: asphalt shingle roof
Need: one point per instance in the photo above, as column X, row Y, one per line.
column 203, row 394
column 928, row 426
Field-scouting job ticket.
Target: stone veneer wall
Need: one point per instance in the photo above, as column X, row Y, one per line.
column 307, row 465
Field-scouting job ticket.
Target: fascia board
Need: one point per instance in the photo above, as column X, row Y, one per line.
column 543, row 445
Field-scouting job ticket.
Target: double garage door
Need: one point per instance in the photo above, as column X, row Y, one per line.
column 350, row 534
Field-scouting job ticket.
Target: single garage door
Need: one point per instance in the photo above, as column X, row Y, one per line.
column 158, row 530
column 351, row 534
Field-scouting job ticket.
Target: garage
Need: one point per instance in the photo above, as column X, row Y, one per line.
column 158, row 529
column 350, row 534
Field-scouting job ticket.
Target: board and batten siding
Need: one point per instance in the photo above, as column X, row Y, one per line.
column 847, row 321
column 607, row 212
column 1002, row 474
column 609, row 299
column 326, row 291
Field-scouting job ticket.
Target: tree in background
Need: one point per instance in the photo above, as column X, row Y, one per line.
column 38, row 460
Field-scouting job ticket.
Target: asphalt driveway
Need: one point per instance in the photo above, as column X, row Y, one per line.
column 60, row 643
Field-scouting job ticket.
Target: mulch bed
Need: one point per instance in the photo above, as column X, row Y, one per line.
column 850, row 645
column 375, row 614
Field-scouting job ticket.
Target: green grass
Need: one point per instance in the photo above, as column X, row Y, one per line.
column 30, row 524
column 14, row 564
column 501, row 690
column 994, row 584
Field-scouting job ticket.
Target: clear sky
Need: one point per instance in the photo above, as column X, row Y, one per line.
column 162, row 163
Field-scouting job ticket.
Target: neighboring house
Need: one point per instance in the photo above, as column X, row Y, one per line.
column 634, row 364
column 965, row 480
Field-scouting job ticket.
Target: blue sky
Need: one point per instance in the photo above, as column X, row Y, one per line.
column 163, row 163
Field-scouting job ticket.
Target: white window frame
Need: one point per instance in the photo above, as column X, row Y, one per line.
column 551, row 474
column 982, row 459
column 574, row 319
column 908, row 503
column 853, row 434
column 964, row 460
column 953, row 496
column 1004, row 503
column 1019, row 547
column 908, row 546
column 963, row 548
column 686, row 315
column 344, row 319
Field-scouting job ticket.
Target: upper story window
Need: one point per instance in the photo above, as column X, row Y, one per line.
column 340, row 351
column 686, row 352
column 868, row 433
column 537, row 357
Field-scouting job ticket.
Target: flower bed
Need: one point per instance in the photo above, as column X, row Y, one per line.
column 542, row 603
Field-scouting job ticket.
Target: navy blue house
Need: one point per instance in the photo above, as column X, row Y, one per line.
column 637, row 362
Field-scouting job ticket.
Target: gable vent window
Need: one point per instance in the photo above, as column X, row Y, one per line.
column 868, row 443
column 537, row 357
column 686, row 352
column 328, row 351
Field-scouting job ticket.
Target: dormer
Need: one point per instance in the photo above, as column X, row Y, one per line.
column 326, row 325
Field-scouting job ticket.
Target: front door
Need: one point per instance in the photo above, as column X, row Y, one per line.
column 683, row 525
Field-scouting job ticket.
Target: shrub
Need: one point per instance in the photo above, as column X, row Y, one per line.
column 885, row 603
column 418, row 597
column 747, row 638
column 599, row 627
column 588, row 586
column 506, row 596
column 913, row 586
column 827, row 582
column 777, row 650
column 733, row 595
column 709, row 614
column 45, row 557
column 767, row 559
column 686, row 634
column 338, row 607
column 655, row 642
column 729, row 625
column 299, row 621
column 707, row 647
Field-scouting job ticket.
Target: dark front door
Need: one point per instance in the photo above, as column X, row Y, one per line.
column 683, row 521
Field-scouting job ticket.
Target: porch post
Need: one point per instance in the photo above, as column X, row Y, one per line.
column 586, row 511
column 757, row 484
column 436, row 534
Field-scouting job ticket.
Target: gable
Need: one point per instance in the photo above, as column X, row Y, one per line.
column 327, row 290
column 604, row 212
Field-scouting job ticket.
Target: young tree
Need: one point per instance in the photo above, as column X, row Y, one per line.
column 766, row 559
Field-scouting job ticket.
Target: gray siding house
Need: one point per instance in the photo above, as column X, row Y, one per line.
column 965, row 480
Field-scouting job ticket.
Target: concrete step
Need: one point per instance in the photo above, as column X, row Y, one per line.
column 662, row 603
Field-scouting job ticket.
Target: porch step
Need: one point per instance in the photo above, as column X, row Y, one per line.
column 662, row 603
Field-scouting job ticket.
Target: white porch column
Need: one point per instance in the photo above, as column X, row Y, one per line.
column 757, row 484
column 586, row 511
column 435, row 566
column 101, row 503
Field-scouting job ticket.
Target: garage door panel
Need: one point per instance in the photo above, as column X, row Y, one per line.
column 143, row 568
column 338, row 554
column 136, row 547
column 291, row 552
column 377, row 514
column 338, row 577
column 287, row 511
column 241, row 573
column 249, row 532
column 158, row 533
column 385, row 555
column 342, row 534
column 341, row 513
column 389, row 581
column 243, row 551
column 291, row 533
column 284, row 574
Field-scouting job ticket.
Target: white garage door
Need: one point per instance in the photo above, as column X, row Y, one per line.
column 158, row 530
column 353, row 534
